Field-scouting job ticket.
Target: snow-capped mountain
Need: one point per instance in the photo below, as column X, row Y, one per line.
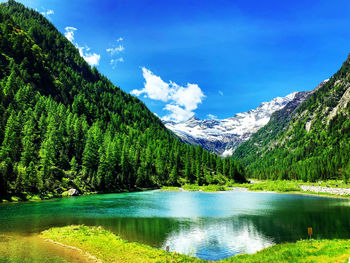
column 223, row 136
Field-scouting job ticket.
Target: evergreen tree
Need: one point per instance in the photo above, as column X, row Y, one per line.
column 63, row 124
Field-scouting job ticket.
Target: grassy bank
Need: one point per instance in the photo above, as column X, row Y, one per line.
column 107, row 247
column 294, row 183
column 301, row 251
column 194, row 187
column 273, row 186
column 293, row 186
column 47, row 196
column 280, row 186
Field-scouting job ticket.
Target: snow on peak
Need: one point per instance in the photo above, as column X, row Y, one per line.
column 222, row 136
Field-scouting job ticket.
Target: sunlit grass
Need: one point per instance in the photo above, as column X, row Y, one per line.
column 110, row 248
column 194, row 187
column 204, row 188
column 301, row 251
column 275, row 186
column 170, row 188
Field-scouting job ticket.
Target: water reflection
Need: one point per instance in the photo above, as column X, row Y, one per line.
column 209, row 226
column 217, row 239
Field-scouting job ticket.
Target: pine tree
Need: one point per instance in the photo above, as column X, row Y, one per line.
column 29, row 141
column 9, row 147
column 34, row 180
column 48, row 148
column 91, row 151
column 199, row 175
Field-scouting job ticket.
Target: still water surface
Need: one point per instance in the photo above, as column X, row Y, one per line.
column 206, row 225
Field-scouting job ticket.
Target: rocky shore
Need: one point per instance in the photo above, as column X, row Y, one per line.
column 328, row 190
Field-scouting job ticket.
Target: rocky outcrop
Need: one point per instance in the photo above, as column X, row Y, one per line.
column 73, row 192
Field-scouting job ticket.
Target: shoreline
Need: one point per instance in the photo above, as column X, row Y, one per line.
column 326, row 192
column 100, row 245
column 60, row 196
column 83, row 253
column 246, row 189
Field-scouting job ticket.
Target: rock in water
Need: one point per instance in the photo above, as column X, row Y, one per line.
column 73, row 192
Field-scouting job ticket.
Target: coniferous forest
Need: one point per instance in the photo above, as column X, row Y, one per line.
column 310, row 142
column 63, row 124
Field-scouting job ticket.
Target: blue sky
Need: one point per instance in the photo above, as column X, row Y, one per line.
column 204, row 57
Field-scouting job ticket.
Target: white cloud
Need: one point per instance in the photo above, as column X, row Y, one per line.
column 177, row 113
column 189, row 96
column 115, row 61
column 155, row 88
column 221, row 93
column 115, row 50
column 92, row 59
column 212, row 116
column 182, row 101
column 47, row 13
column 69, row 34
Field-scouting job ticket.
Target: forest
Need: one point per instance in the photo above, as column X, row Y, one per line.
column 310, row 142
column 63, row 124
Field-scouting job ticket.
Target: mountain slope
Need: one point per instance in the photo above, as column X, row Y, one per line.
column 308, row 142
column 63, row 124
column 223, row 136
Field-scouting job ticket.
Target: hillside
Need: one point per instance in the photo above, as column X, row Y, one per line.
column 223, row 136
column 310, row 141
column 63, row 124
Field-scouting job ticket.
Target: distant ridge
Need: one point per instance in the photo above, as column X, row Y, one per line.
column 308, row 141
column 223, row 136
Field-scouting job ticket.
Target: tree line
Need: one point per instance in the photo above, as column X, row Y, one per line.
column 286, row 149
column 63, row 124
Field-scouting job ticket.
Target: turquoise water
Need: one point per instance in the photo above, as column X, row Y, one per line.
column 206, row 225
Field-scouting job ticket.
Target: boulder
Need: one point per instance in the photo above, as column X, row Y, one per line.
column 73, row 192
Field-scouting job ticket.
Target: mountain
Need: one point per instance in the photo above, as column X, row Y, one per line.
column 309, row 141
column 223, row 136
column 63, row 124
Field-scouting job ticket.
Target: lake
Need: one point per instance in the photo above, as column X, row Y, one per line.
column 209, row 226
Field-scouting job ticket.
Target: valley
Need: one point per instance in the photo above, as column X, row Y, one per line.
column 94, row 172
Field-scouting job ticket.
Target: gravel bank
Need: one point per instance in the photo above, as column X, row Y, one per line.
column 328, row 190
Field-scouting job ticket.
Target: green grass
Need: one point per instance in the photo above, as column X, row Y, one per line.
column 204, row 188
column 292, row 186
column 327, row 183
column 170, row 188
column 301, row 251
column 109, row 248
column 275, row 186
column 193, row 187
column 233, row 184
column 213, row 188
